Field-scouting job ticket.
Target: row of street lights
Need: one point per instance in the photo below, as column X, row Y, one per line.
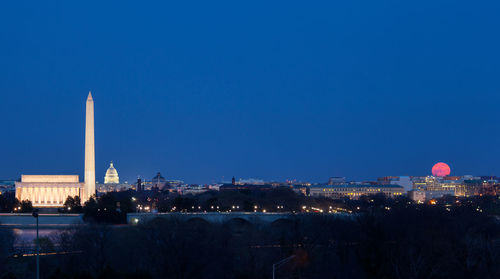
column 256, row 208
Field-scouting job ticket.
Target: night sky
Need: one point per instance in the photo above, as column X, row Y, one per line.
column 202, row 91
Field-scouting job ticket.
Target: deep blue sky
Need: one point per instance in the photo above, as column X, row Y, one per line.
column 265, row 89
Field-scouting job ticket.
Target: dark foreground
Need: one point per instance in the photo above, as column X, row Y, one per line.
column 416, row 242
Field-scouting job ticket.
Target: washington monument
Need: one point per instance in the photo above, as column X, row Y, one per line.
column 89, row 189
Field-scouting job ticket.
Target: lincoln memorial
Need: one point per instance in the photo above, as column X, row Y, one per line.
column 48, row 190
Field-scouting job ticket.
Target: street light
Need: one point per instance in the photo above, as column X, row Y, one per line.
column 35, row 214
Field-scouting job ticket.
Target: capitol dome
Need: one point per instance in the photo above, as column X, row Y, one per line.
column 111, row 175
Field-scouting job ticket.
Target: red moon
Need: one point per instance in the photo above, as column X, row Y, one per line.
column 441, row 170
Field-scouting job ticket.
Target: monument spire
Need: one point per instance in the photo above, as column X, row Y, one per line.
column 89, row 151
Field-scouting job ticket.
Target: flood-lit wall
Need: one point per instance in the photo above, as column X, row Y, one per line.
column 50, row 191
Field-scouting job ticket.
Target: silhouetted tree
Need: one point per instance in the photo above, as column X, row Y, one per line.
column 73, row 205
column 8, row 202
column 26, row 206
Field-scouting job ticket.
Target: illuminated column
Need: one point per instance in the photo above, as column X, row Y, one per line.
column 49, row 195
column 37, row 195
column 19, row 193
column 54, row 194
column 89, row 151
column 67, row 192
column 45, row 194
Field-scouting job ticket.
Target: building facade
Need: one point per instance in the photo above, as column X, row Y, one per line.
column 354, row 191
column 111, row 176
column 48, row 190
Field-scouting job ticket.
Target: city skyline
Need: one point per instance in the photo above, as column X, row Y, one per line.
column 440, row 169
column 358, row 91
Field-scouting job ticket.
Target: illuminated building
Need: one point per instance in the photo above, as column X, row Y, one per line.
column 192, row 189
column 425, row 183
column 249, row 187
column 471, row 187
column 460, row 186
column 444, row 185
column 404, row 181
column 104, row 188
column 435, row 187
column 354, row 191
column 252, row 181
column 111, row 176
column 417, row 196
column 48, row 190
column 52, row 190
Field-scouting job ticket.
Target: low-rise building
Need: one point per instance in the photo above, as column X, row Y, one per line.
column 191, row 189
column 250, row 187
column 110, row 187
column 437, row 187
column 48, row 190
column 354, row 191
column 417, row 196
